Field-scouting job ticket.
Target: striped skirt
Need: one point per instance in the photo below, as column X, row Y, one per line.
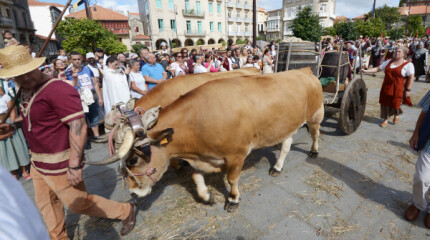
column 14, row 151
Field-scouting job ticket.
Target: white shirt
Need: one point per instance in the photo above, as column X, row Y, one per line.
column 140, row 83
column 176, row 69
column 200, row 69
column 3, row 103
column 95, row 69
column 19, row 219
column 115, row 88
column 407, row 70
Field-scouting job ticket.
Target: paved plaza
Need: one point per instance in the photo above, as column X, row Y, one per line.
column 358, row 188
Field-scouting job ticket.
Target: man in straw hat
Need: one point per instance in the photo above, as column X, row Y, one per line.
column 54, row 126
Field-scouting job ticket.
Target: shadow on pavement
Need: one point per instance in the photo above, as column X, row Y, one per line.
column 184, row 179
column 95, row 228
column 368, row 189
column 330, row 124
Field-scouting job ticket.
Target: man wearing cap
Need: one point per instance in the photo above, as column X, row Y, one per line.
column 83, row 77
column 56, row 133
column 93, row 65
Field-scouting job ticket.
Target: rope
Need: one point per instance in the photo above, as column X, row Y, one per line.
column 300, row 51
column 335, row 66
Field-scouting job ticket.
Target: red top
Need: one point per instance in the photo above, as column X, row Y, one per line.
column 392, row 88
column 53, row 107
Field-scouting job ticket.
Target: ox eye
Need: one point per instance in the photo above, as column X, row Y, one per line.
column 133, row 161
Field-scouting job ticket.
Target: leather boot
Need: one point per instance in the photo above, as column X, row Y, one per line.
column 412, row 213
column 129, row 222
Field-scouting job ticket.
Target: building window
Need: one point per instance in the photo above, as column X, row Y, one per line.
column 211, row 26
column 188, row 25
column 187, row 5
column 238, row 14
column 136, row 29
column 158, row 3
column 210, row 7
column 161, row 25
column 219, row 27
column 246, row 15
column 219, row 7
column 246, row 28
column 171, row 5
column 229, row 14
column 173, row 24
column 323, row 9
column 8, row 12
column 289, row 13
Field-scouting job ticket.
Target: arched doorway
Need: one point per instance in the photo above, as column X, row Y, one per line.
column 200, row 42
column 158, row 43
column 221, row 40
column 177, row 43
column 211, row 41
column 230, row 42
column 189, row 42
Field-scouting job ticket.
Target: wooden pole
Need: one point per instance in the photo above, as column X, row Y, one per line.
column 254, row 24
column 18, row 94
column 53, row 29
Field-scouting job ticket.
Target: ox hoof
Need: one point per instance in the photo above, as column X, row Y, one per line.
column 313, row 154
column 273, row 172
column 211, row 201
column 231, row 206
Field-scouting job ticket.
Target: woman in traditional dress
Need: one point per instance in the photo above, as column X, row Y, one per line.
column 13, row 148
column 377, row 54
column 398, row 80
column 419, row 59
column 115, row 85
column 267, row 62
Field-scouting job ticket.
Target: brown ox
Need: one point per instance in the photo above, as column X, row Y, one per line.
column 215, row 126
column 167, row 92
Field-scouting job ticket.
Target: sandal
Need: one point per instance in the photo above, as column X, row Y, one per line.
column 27, row 176
column 396, row 120
column 383, row 124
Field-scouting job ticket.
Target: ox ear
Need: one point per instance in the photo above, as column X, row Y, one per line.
column 161, row 137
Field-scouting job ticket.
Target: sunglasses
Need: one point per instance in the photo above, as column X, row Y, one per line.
column 179, row 56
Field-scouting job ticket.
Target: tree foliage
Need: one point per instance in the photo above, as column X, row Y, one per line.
column 331, row 31
column 83, row 35
column 199, row 42
column 346, row 30
column 306, row 25
column 136, row 47
column 415, row 25
column 371, row 28
column 388, row 15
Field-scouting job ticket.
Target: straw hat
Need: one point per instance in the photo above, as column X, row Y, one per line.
column 16, row 61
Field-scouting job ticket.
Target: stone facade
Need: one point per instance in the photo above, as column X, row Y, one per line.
column 184, row 22
column 239, row 19
column 274, row 25
column 325, row 9
column 15, row 17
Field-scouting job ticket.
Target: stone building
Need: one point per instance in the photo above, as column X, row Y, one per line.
column 239, row 18
column 274, row 25
column 15, row 17
column 184, row 22
column 325, row 9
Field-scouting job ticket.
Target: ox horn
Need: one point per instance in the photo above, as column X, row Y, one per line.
column 101, row 139
column 123, row 151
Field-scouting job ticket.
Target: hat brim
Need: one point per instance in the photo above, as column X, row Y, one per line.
column 18, row 70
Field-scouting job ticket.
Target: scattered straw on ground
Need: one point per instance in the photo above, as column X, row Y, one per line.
column 322, row 181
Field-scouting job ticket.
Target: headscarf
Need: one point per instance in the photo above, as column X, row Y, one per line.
column 420, row 51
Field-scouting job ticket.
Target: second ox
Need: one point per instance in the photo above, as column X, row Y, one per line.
column 215, row 126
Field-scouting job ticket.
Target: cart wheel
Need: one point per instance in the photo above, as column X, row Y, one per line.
column 353, row 106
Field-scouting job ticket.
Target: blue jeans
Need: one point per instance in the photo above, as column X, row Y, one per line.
column 92, row 116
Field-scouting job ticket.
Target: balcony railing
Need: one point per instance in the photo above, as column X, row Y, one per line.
column 238, row 19
column 247, row 6
column 239, row 5
column 239, row 34
column 194, row 33
column 231, row 4
column 193, row 13
column 248, row 34
column 5, row 21
column 230, row 19
column 247, row 20
column 230, row 33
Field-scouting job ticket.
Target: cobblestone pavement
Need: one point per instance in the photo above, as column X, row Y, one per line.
column 358, row 188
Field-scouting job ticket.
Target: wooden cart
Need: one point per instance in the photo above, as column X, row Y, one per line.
column 350, row 100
